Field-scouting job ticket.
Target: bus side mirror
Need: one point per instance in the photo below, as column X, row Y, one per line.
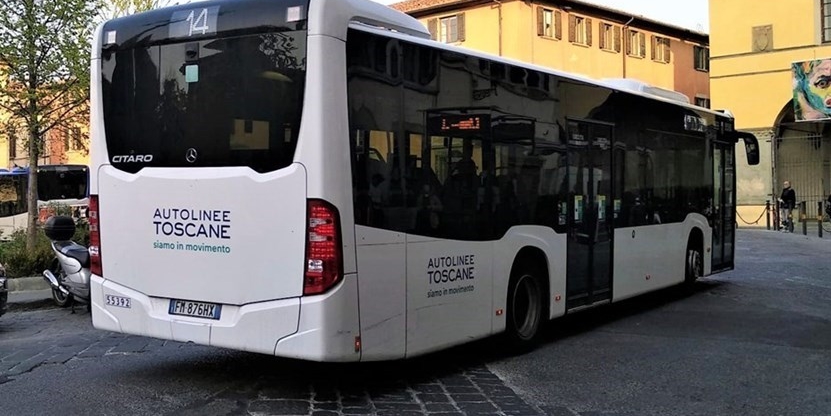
column 751, row 147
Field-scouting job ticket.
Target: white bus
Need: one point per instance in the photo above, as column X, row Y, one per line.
column 318, row 179
column 66, row 185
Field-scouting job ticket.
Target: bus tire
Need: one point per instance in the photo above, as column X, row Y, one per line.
column 694, row 263
column 525, row 305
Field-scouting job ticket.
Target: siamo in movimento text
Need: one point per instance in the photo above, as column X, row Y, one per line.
column 193, row 223
column 458, row 269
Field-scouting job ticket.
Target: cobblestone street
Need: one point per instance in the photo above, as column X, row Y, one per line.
column 42, row 341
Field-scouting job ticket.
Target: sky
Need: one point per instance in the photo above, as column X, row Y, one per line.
column 690, row 14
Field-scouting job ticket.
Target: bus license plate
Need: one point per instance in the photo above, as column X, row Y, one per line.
column 197, row 309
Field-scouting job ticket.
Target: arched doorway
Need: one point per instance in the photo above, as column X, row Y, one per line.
column 801, row 153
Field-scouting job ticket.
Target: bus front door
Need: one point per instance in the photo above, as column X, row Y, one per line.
column 724, row 209
column 590, row 229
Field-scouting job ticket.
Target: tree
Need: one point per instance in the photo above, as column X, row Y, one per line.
column 44, row 69
column 124, row 7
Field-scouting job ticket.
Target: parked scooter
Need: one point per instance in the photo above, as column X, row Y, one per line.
column 69, row 276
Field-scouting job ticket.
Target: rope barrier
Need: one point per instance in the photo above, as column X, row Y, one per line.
column 754, row 222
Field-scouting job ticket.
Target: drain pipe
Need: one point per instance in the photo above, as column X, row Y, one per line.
column 499, row 13
column 624, row 38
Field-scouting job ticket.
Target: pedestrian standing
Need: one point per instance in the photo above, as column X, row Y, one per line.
column 787, row 202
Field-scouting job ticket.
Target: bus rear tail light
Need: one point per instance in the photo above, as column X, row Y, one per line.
column 94, row 237
column 324, row 253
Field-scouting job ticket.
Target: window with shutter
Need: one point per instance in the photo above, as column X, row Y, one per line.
column 660, row 49
column 545, row 22
column 601, row 40
column 642, row 40
column 451, row 28
column 580, row 30
column 826, row 20
column 588, row 32
column 654, row 46
column 572, row 27
column 431, row 26
column 609, row 37
column 701, row 58
column 558, row 25
column 636, row 44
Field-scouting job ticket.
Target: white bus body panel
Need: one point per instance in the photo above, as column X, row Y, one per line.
column 553, row 247
column 323, row 143
column 382, row 256
column 328, row 329
column 262, row 258
column 407, row 315
column 455, row 309
column 652, row 257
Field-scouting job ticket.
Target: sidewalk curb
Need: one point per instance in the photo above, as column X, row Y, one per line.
column 17, row 284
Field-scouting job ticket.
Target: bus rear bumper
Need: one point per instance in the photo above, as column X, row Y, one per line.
column 329, row 328
column 253, row 327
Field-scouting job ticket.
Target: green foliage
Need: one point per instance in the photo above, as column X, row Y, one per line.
column 58, row 208
column 118, row 8
column 44, row 75
column 19, row 261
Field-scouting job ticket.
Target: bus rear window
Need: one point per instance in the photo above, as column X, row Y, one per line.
column 62, row 182
column 233, row 101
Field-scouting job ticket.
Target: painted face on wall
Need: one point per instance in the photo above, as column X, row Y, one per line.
column 820, row 84
column 812, row 89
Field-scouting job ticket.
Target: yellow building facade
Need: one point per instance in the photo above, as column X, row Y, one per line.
column 764, row 60
column 63, row 145
column 575, row 37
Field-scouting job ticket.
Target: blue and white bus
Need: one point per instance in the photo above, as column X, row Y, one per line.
column 318, row 179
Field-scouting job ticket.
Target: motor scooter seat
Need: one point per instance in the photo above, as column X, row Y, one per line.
column 75, row 251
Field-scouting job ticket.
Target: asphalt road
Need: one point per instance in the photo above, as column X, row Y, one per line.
column 754, row 341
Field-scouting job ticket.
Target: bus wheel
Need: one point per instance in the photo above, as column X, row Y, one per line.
column 525, row 307
column 695, row 263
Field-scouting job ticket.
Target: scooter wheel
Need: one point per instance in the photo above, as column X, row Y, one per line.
column 57, row 296
column 61, row 299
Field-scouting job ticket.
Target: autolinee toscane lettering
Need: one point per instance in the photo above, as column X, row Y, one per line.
column 451, row 268
column 179, row 222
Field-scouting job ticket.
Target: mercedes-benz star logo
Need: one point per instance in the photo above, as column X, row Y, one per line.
column 191, row 155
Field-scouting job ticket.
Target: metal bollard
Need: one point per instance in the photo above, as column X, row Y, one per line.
column 819, row 219
column 803, row 217
column 777, row 222
column 767, row 213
